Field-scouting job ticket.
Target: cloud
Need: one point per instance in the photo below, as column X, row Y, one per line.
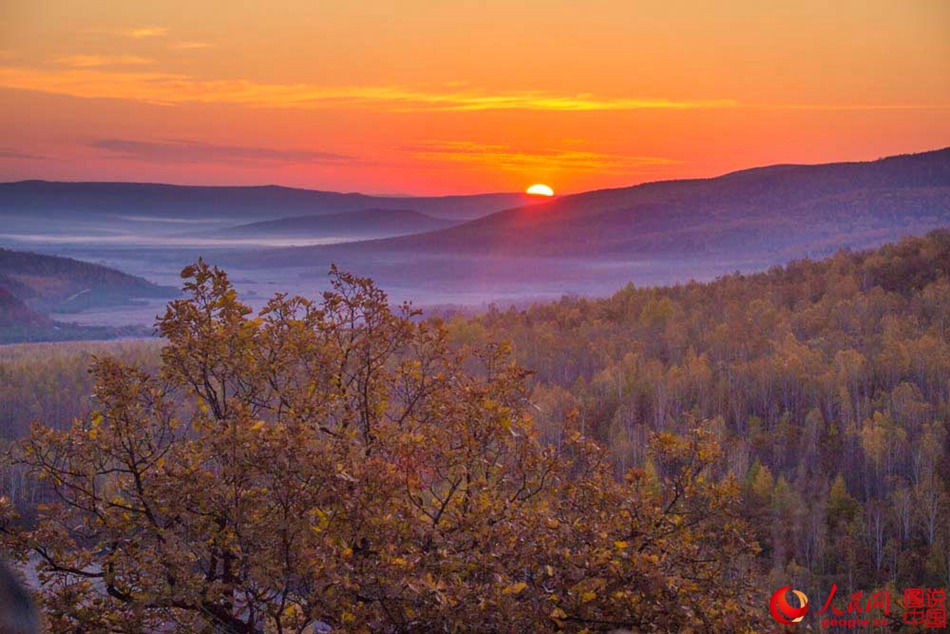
column 176, row 151
column 142, row 32
column 13, row 153
column 178, row 89
column 190, row 46
column 93, row 61
column 173, row 89
column 505, row 157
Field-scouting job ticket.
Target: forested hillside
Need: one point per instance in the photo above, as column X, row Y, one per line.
column 32, row 284
column 828, row 384
column 50, row 283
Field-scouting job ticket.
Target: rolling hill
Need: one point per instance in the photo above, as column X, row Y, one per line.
column 54, row 284
column 773, row 212
column 32, row 285
column 14, row 313
column 363, row 223
column 590, row 243
column 69, row 200
column 655, row 233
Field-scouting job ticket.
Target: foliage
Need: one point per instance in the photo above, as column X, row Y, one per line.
column 826, row 383
column 341, row 462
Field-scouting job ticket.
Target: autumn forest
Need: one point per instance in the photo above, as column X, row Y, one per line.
column 662, row 458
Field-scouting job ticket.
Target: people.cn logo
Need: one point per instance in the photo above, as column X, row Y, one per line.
column 782, row 610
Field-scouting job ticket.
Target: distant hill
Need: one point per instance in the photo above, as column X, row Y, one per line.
column 364, row 223
column 53, row 284
column 783, row 210
column 590, row 243
column 15, row 313
column 20, row 323
column 67, row 200
column 32, row 284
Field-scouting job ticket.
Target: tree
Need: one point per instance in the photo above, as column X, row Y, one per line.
column 339, row 461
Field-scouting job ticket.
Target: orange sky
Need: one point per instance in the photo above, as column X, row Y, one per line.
column 458, row 96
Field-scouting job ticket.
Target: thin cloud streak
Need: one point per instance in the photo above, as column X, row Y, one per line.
column 190, row 46
column 176, row 151
column 87, row 79
column 13, row 153
column 180, row 89
column 142, row 32
column 94, row 61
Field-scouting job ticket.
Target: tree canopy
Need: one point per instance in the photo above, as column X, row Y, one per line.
column 342, row 462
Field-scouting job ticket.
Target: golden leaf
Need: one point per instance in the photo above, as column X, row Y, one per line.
column 515, row 588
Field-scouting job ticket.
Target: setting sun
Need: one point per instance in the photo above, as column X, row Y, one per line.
column 540, row 190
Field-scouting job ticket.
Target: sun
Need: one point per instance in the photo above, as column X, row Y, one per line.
column 540, row 190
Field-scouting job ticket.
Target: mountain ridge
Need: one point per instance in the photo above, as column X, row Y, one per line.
column 752, row 195
column 243, row 201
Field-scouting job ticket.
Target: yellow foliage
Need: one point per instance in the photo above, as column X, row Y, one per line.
column 350, row 460
column 515, row 588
